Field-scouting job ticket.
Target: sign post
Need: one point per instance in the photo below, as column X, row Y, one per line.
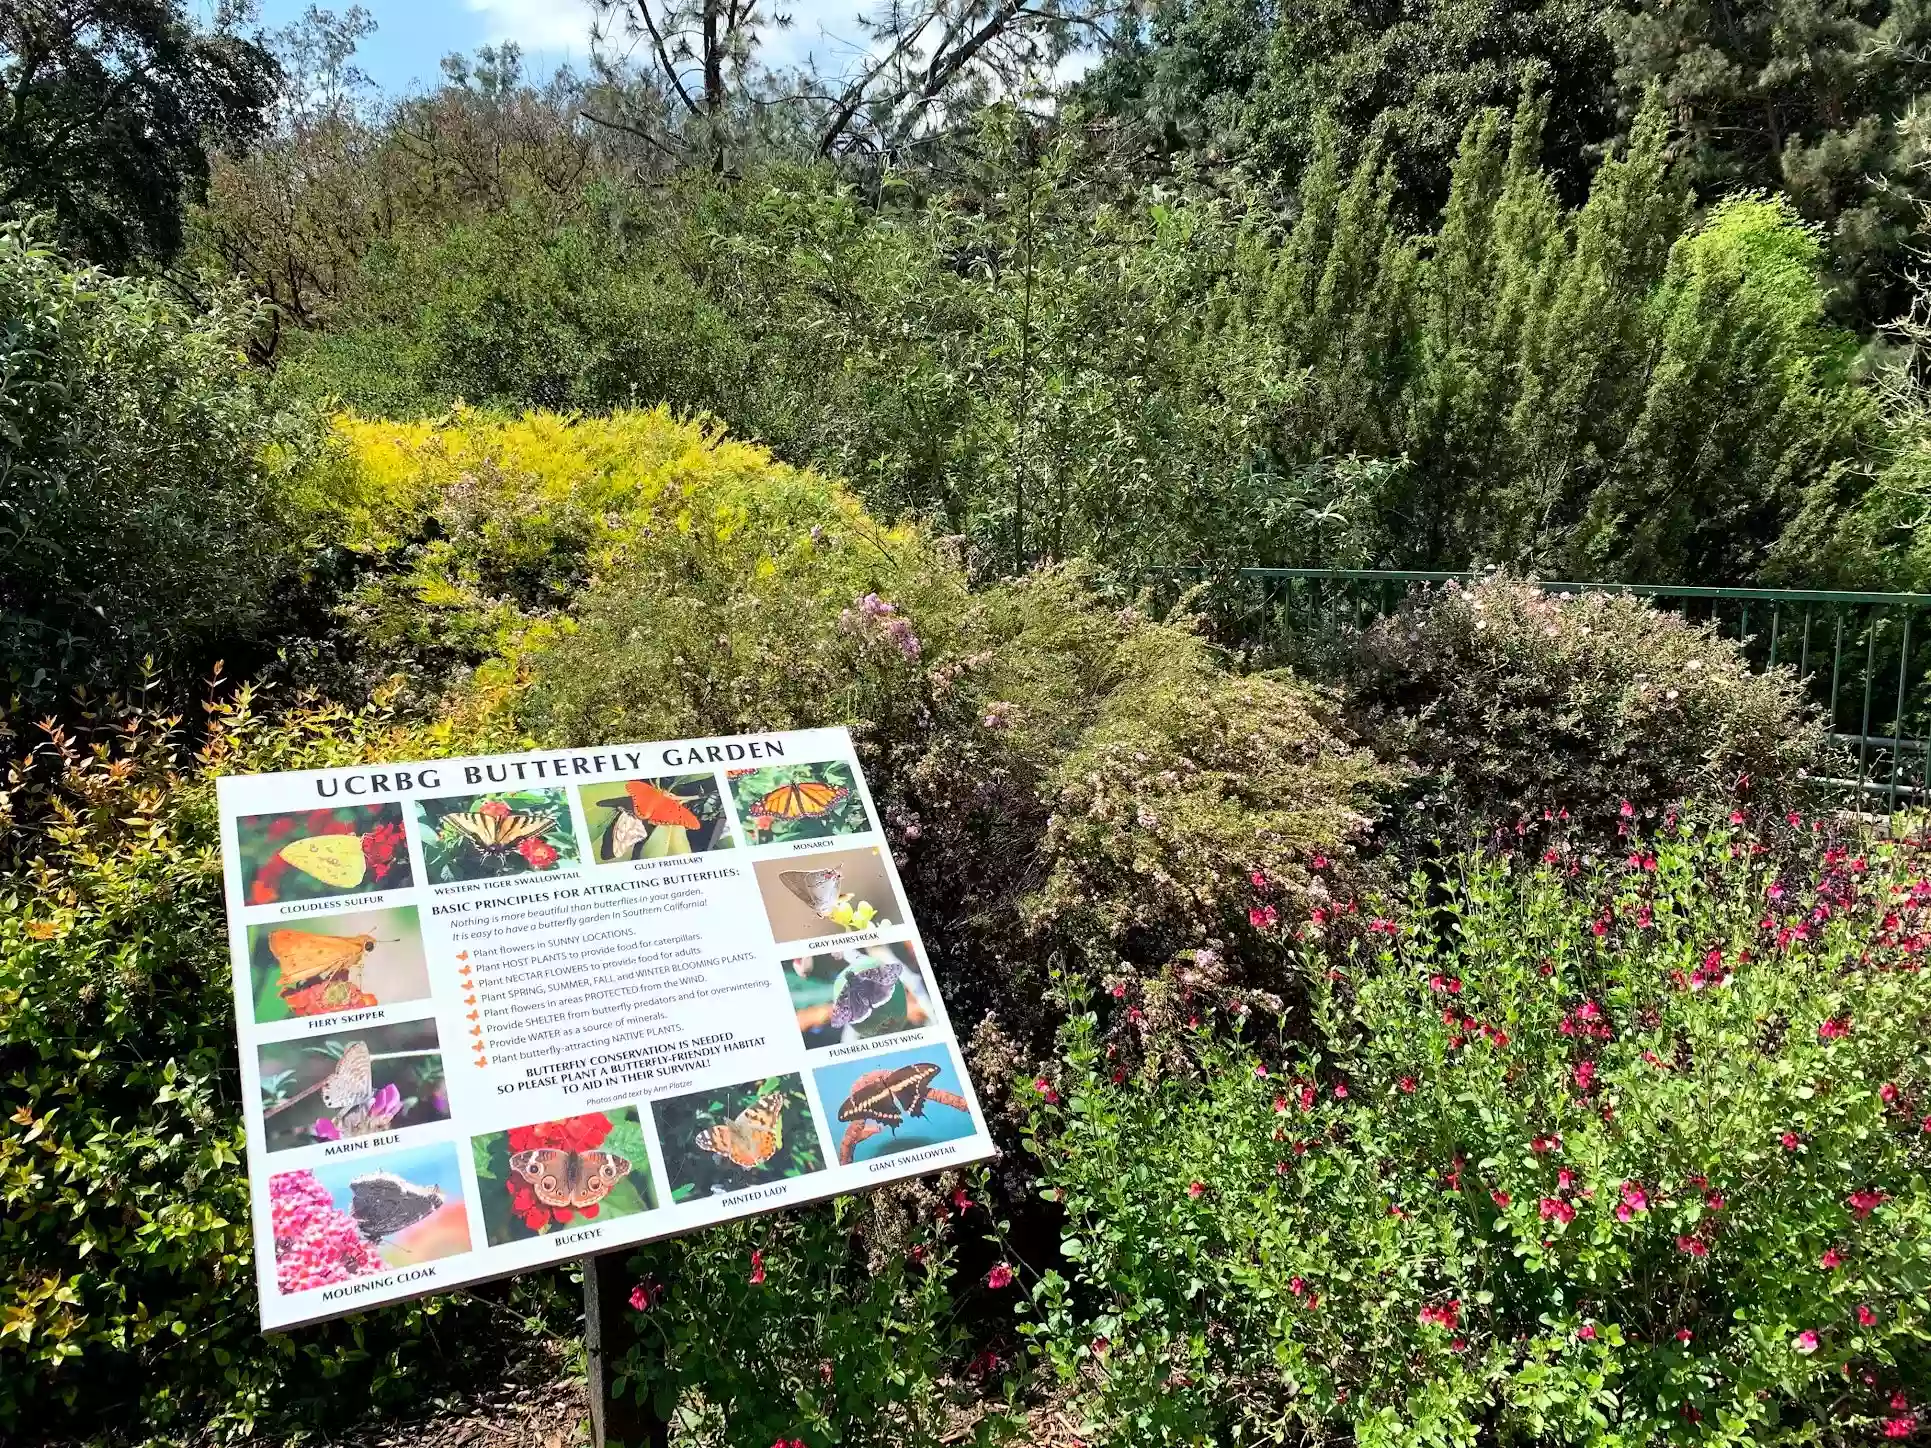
column 501, row 1012
column 625, row 1422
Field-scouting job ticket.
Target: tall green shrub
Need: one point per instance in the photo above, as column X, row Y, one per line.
column 140, row 478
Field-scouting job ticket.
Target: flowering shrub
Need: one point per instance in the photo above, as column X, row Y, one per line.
column 1633, row 1154
column 126, row 1259
column 830, row 1324
column 1514, row 702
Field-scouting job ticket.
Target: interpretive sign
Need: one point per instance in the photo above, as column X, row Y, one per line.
column 499, row 1012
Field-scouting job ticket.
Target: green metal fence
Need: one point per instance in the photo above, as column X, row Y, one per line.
column 1864, row 657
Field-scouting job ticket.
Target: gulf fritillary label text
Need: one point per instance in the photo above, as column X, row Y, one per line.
column 499, row 1012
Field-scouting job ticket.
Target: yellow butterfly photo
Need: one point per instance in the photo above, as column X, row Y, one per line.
column 314, row 854
column 492, row 836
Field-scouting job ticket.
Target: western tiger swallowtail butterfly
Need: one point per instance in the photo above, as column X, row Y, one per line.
column 495, row 833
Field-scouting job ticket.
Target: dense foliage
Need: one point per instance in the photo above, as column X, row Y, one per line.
column 140, row 468
column 108, row 112
column 1582, row 1151
column 1514, row 703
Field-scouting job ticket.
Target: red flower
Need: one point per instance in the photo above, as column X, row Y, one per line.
column 1790, row 1140
column 1865, row 1317
column 540, row 853
column 1863, row 1203
column 645, row 1295
column 1407, row 1085
column 1557, row 1210
column 1682, row 1334
column 1902, row 1426
column 961, row 1202
column 1692, row 1246
column 1888, row 1093
column 495, row 808
column 757, row 1267
column 1834, row 1029
column 1587, row 1332
column 1045, row 1090
column 1263, row 917
column 1805, row 1342
column 1340, row 1091
column 1501, row 1199
column 1000, row 1276
column 1196, row 1188
column 1831, row 1260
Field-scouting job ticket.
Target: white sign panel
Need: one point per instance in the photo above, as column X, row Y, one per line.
column 499, row 1012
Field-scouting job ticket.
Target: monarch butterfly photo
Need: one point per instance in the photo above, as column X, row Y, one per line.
column 489, row 836
column 798, row 802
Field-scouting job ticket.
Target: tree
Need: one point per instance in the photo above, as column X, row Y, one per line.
column 685, row 75
column 108, row 112
column 1823, row 99
column 1252, row 76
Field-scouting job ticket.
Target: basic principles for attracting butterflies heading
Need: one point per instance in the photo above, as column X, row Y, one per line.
column 499, row 1012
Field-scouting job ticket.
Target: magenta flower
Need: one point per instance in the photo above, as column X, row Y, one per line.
column 1805, row 1342
column 1000, row 1276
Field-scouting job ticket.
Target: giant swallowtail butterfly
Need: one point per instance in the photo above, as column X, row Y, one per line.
column 891, row 1096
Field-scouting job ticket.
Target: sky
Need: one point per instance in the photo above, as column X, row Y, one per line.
column 412, row 36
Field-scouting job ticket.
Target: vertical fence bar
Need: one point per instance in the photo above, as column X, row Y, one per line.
column 1864, row 729
column 1803, row 665
column 1897, row 724
column 1836, row 660
column 1776, row 619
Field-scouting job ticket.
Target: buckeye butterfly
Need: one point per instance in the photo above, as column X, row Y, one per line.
column 574, row 1179
column 752, row 1137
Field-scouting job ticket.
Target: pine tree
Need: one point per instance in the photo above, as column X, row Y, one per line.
column 1816, row 97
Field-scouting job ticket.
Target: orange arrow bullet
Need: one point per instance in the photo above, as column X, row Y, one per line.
column 481, row 1062
column 477, row 1032
column 469, row 1000
column 462, row 955
column 474, row 1017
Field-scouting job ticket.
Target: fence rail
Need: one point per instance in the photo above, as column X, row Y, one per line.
column 1864, row 658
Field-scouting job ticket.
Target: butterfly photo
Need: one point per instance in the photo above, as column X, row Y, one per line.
column 898, row 1101
column 798, row 802
column 318, row 853
column 858, row 994
column 317, row 964
column 491, row 836
column 653, row 819
column 827, row 893
column 542, row 1178
column 737, row 1136
column 351, row 1083
column 364, row 1215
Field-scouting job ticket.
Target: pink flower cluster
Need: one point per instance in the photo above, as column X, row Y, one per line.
column 873, row 617
column 316, row 1243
